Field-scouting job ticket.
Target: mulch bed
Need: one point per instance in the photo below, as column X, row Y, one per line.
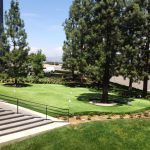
column 87, row 118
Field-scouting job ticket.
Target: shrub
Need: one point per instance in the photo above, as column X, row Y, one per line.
column 122, row 116
column 89, row 117
column 146, row 114
column 78, row 117
column 109, row 117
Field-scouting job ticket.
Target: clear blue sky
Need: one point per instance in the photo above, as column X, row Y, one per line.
column 43, row 24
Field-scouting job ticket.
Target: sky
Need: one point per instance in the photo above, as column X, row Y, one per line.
column 43, row 24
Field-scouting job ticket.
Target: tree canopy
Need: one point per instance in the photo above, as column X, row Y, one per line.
column 106, row 38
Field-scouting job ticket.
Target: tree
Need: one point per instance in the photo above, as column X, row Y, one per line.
column 145, row 5
column 70, row 46
column 133, row 24
column 17, row 65
column 4, row 49
column 107, row 40
column 69, row 58
column 1, row 30
column 36, row 60
column 97, row 37
column 76, row 29
column 1, row 16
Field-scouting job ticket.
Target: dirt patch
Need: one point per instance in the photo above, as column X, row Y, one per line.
column 88, row 118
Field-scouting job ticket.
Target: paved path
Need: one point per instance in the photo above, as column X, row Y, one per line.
column 120, row 80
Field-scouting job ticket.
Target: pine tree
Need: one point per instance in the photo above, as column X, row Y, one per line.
column 133, row 24
column 145, row 5
column 17, row 65
column 4, row 50
column 70, row 47
column 97, row 38
column 69, row 58
column 1, row 30
column 106, row 40
column 74, row 46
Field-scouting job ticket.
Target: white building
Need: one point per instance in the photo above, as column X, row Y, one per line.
column 48, row 68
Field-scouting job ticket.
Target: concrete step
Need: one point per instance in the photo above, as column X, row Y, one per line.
column 20, row 123
column 6, row 113
column 8, row 121
column 2, row 110
column 11, row 116
column 25, row 127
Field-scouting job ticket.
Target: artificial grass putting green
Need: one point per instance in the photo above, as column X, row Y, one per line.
column 107, row 135
column 60, row 95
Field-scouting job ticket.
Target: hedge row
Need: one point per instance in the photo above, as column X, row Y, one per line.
column 36, row 80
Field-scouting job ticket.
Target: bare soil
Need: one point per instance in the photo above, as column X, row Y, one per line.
column 87, row 118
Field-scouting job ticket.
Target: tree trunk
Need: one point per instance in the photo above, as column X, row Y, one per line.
column 145, row 84
column 130, row 85
column 81, row 79
column 146, row 69
column 105, row 86
column 1, row 16
column 73, row 74
column 16, row 82
column 98, row 85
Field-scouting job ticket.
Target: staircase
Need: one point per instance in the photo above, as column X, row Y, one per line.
column 10, row 122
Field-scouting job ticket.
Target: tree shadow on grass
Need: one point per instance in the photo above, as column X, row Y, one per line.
column 120, row 90
column 19, row 85
column 96, row 97
column 123, row 91
column 122, row 94
column 77, row 84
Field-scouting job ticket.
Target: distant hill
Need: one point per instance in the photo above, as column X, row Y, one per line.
column 54, row 59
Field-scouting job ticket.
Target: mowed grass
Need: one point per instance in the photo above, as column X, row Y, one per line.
column 107, row 135
column 74, row 98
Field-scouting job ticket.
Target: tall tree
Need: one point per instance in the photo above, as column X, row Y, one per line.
column 146, row 51
column 69, row 58
column 76, row 29
column 70, row 48
column 17, row 58
column 1, row 16
column 107, row 39
column 97, row 37
column 4, row 50
column 1, row 30
column 133, row 24
column 145, row 54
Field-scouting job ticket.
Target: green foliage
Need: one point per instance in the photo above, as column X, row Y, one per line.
column 36, row 60
column 44, row 80
column 74, row 56
column 15, row 60
column 107, row 38
column 4, row 49
column 93, row 32
column 17, row 65
column 69, row 59
column 133, row 26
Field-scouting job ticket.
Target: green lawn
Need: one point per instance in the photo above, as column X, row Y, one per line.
column 59, row 95
column 107, row 135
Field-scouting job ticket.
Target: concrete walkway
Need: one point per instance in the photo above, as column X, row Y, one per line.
column 120, row 80
column 10, row 138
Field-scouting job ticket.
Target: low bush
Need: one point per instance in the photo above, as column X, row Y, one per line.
column 36, row 80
